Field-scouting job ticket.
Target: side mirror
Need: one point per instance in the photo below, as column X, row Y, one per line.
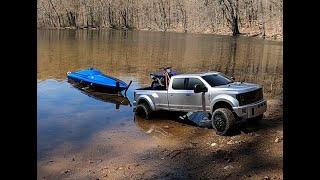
column 199, row 88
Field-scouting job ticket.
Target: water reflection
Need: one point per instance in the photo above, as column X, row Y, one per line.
column 67, row 115
column 136, row 54
column 117, row 99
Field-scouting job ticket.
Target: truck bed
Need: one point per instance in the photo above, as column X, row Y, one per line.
column 155, row 89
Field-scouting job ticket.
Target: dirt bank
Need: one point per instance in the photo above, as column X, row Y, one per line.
column 167, row 149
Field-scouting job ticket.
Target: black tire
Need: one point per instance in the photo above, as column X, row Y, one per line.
column 255, row 120
column 143, row 110
column 223, row 121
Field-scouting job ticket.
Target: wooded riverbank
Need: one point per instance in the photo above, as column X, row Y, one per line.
column 262, row 18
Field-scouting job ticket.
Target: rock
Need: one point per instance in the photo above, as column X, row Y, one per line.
column 234, row 142
column 73, row 159
column 67, row 171
column 150, row 130
column 278, row 139
column 119, row 168
column 103, row 168
column 266, row 178
column 254, row 134
column 230, row 142
column 167, row 127
column 228, row 167
column 213, row 144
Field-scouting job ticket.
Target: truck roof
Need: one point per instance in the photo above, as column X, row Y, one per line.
column 197, row 74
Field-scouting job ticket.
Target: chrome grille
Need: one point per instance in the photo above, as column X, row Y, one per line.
column 250, row 97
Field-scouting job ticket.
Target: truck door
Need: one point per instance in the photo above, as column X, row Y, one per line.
column 193, row 101
column 177, row 93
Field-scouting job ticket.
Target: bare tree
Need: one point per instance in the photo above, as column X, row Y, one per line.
column 220, row 16
column 230, row 10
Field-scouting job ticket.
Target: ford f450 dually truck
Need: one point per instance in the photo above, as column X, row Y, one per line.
column 224, row 100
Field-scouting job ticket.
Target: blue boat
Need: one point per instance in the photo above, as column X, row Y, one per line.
column 96, row 79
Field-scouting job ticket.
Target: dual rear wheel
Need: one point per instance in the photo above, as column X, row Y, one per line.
column 143, row 110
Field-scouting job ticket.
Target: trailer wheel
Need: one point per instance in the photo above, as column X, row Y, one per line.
column 223, row 121
column 143, row 110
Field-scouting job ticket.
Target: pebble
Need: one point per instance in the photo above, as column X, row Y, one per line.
column 228, row 167
column 67, row 171
column 167, row 127
column 234, row 142
column 266, row 178
column 277, row 140
column 254, row 134
column 213, row 144
column 229, row 142
column 150, row 131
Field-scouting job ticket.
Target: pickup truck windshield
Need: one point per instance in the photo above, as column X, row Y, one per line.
column 217, row 79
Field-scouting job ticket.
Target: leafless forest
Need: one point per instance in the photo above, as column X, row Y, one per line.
column 249, row 17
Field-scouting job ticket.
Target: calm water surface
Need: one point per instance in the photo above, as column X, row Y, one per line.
column 69, row 115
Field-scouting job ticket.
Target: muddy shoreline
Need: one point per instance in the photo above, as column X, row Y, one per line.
column 165, row 148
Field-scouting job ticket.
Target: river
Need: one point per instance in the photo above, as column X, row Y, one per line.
column 68, row 119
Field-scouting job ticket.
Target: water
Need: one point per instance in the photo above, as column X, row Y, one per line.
column 69, row 117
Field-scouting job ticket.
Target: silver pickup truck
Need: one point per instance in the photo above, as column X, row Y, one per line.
column 223, row 99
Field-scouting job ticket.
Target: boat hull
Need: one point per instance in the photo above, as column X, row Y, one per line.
column 95, row 79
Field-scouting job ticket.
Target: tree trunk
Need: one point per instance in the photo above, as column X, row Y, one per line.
column 235, row 27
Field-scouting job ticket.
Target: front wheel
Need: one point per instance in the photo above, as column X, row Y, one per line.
column 223, row 121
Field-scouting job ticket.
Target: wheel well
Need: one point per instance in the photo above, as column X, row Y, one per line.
column 143, row 101
column 222, row 104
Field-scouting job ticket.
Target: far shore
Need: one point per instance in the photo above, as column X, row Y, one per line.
column 246, row 33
